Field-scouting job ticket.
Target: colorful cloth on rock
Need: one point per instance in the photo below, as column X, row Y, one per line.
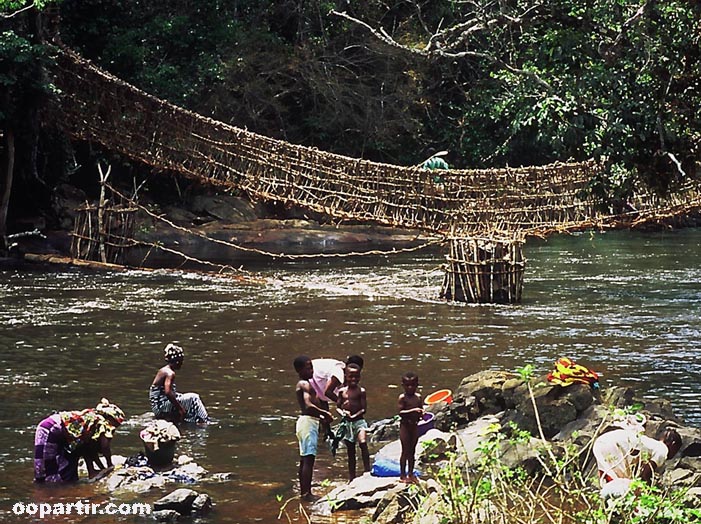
column 162, row 407
column 568, row 372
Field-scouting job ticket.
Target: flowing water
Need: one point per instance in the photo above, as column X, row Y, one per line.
column 625, row 304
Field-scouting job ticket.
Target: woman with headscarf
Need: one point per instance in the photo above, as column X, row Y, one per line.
column 166, row 402
column 62, row 438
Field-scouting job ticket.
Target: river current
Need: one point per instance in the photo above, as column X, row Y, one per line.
column 625, row 304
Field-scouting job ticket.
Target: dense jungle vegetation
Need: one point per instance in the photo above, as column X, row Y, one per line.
column 494, row 82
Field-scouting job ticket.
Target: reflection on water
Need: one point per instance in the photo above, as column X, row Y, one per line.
column 626, row 305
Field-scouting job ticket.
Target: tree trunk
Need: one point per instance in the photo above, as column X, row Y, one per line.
column 6, row 184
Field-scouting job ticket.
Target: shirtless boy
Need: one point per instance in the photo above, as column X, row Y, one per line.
column 410, row 411
column 352, row 405
column 307, row 424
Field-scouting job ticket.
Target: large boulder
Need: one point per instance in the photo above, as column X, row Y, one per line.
column 180, row 500
column 486, row 392
column 547, row 407
column 225, row 208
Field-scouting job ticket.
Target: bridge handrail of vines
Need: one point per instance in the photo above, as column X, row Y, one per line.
column 99, row 107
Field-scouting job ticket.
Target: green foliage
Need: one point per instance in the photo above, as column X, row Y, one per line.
column 529, row 83
column 12, row 6
column 526, row 372
column 21, row 76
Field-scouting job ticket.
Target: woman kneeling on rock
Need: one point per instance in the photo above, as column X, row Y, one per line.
column 166, row 402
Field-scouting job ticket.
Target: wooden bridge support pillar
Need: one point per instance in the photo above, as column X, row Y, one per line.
column 103, row 239
column 484, row 270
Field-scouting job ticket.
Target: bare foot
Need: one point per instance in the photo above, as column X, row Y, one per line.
column 412, row 480
column 310, row 497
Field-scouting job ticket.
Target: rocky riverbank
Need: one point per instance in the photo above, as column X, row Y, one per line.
column 570, row 418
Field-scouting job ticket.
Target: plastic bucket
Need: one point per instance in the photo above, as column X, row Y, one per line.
column 442, row 395
column 427, row 422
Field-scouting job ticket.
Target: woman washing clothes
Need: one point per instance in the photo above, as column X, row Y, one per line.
column 166, row 402
column 62, row 438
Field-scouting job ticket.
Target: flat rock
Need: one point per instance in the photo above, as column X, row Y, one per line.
column 363, row 492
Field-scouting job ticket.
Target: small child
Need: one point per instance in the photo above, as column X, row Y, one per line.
column 308, row 423
column 410, row 411
column 352, row 405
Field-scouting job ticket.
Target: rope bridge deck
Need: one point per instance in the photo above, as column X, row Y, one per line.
column 99, row 107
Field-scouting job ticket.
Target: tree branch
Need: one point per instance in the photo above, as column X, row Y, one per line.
column 438, row 48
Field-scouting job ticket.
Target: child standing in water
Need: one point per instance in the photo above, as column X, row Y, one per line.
column 308, row 423
column 410, row 411
column 352, row 405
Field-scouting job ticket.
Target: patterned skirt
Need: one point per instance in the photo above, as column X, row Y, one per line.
column 52, row 460
column 163, row 408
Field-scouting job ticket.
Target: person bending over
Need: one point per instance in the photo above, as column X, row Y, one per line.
column 626, row 454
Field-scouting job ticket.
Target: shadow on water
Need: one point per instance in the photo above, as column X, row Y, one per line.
column 625, row 304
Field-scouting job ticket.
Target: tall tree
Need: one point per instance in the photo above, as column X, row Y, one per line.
column 558, row 80
column 24, row 87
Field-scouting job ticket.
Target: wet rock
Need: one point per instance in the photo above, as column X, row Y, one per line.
column 136, row 479
column 396, row 507
column 180, row 500
column 166, row 515
column 226, row 208
column 202, row 505
column 487, row 387
column 623, row 397
column 261, row 235
column 362, row 492
column 385, row 429
column 139, row 479
column 477, row 395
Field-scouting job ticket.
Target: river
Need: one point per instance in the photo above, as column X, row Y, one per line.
column 625, row 304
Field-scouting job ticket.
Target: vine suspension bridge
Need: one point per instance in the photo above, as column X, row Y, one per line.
column 484, row 214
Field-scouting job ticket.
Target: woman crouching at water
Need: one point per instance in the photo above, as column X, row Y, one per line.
column 166, row 402
column 62, row 438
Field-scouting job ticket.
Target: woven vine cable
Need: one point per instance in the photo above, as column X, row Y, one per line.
column 374, row 252
column 172, row 139
column 534, row 199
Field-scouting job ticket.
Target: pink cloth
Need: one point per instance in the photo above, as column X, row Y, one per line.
column 324, row 369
